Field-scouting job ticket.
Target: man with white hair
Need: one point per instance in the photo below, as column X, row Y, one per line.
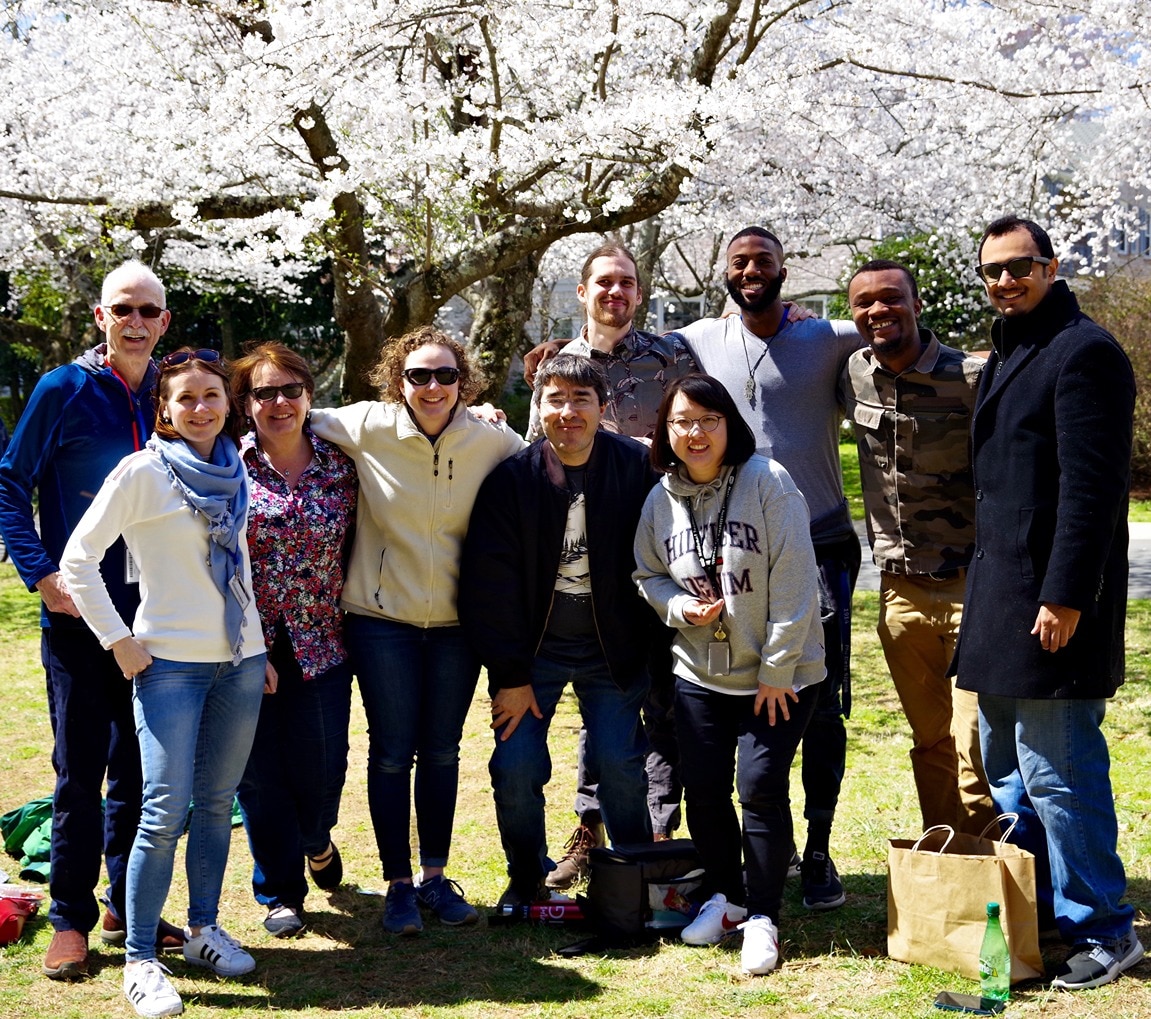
column 81, row 420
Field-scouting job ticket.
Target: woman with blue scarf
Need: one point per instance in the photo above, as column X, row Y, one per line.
column 194, row 654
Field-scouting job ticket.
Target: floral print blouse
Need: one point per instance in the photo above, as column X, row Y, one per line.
column 298, row 539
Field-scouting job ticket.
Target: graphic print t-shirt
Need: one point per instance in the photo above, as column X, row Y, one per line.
column 571, row 634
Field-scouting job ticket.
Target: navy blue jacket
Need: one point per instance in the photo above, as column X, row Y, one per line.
column 512, row 554
column 80, row 422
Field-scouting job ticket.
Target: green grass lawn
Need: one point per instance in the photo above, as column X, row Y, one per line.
column 834, row 963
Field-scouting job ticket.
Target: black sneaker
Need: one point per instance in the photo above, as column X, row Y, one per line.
column 795, row 865
column 1095, row 965
column 822, row 888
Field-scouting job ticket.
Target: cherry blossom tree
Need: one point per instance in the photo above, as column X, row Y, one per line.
column 427, row 146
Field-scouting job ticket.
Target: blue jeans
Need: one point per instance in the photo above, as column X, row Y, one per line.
column 521, row 765
column 195, row 722
column 90, row 707
column 721, row 739
column 417, row 684
column 290, row 792
column 1047, row 761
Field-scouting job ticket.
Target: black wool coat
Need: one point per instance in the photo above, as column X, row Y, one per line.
column 1051, row 448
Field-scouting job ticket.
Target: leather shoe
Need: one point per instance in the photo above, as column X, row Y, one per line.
column 67, row 956
column 330, row 876
column 113, row 931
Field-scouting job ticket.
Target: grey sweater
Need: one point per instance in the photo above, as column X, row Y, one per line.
column 768, row 576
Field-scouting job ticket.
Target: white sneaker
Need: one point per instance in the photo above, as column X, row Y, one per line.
column 217, row 950
column 148, row 989
column 717, row 919
column 760, row 945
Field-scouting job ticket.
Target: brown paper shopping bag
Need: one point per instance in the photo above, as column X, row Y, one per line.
column 938, row 887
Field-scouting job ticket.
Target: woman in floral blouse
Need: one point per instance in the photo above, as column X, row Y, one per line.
column 303, row 501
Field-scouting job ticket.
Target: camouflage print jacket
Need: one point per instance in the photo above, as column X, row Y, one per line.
column 914, row 436
column 637, row 370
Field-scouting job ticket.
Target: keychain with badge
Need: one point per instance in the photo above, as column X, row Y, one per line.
column 718, row 650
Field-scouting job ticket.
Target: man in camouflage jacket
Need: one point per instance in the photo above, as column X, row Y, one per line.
column 910, row 399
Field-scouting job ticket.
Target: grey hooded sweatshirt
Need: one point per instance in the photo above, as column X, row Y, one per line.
column 768, row 576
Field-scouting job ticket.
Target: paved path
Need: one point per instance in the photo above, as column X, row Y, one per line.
column 1138, row 586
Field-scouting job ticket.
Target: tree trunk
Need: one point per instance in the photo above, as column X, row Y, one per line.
column 356, row 307
column 499, row 330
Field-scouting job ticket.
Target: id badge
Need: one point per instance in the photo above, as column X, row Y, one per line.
column 236, row 585
column 131, row 570
column 718, row 658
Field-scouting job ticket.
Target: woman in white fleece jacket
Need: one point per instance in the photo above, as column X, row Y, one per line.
column 194, row 653
column 723, row 554
column 421, row 456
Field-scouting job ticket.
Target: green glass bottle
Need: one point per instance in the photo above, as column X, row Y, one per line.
column 994, row 959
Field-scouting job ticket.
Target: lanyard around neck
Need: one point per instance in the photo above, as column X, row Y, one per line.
column 712, row 563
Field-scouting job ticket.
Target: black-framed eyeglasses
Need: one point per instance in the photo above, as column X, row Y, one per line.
column 125, row 310
column 683, row 426
column 422, row 376
column 183, row 356
column 1018, row 268
column 266, row 394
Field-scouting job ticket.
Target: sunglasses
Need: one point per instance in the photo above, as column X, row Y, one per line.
column 125, row 310
column 422, row 376
column 265, row 394
column 1017, row 268
column 183, row 356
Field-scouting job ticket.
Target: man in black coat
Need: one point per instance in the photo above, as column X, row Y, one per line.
column 546, row 599
column 1042, row 637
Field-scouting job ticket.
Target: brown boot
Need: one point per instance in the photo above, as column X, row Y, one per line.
column 67, row 957
column 573, row 866
column 113, row 932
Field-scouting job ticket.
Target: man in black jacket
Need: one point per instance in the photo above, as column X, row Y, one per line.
column 1042, row 636
column 546, row 598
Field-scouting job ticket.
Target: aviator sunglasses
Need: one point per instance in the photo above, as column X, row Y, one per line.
column 1017, row 268
column 183, row 356
column 422, row 376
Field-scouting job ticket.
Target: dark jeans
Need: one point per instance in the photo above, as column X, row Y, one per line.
column 721, row 738
column 417, row 684
column 664, row 789
column 825, row 742
column 290, row 792
column 90, row 706
column 521, row 765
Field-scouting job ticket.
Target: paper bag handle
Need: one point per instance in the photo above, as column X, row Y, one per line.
column 1006, row 834
column 934, row 828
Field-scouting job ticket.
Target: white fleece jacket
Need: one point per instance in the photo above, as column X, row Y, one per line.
column 769, row 578
column 415, row 502
column 181, row 614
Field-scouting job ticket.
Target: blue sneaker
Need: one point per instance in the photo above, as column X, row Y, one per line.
column 445, row 898
column 401, row 912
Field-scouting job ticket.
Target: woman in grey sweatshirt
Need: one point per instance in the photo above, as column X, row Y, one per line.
column 723, row 554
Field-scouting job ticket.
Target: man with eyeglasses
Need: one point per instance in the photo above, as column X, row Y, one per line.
column 910, row 400
column 80, row 421
column 1042, row 636
column 546, row 599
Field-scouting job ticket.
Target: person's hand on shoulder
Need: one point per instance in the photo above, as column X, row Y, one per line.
column 540, row 353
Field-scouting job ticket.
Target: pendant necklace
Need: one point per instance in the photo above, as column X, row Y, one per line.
column 749, row 389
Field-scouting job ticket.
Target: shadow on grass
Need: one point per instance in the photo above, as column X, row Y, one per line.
column 370, row 968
